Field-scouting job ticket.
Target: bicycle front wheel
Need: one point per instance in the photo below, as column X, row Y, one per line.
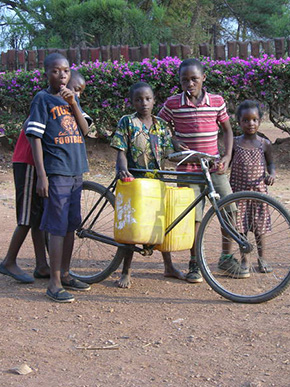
column 94, row 260
column 265, row 224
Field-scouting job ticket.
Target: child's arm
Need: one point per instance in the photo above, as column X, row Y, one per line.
column 228, row 142
column 42, row 180
column 122, row 165
column 233, row 151
column 69, row 97
column 269, row 179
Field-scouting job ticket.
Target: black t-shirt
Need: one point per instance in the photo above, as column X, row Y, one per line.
column 52, row 120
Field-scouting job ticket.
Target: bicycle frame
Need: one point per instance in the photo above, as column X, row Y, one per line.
column 200, row 178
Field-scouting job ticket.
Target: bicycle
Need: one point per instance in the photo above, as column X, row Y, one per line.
column 91, row 262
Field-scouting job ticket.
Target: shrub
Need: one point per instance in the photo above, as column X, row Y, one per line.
column 16, row 92
column 105, row 99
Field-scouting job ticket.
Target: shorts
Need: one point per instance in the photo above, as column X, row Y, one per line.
column 29, row 206
column 223, row 188
column 62, row 208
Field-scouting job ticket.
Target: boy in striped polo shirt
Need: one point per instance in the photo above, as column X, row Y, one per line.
column 194, row 115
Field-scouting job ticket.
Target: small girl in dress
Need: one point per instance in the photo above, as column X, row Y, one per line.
column 252, row 170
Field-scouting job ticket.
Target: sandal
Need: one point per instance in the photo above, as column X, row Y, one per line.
column 60, row 296
column 264, row 267
column 37, row 275
column 74, row 284
column 23, row 278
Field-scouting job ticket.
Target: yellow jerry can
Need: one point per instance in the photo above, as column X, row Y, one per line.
column 140, row 211
column 181, row 237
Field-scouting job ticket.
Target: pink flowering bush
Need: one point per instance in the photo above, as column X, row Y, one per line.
column 106, row 97
column 16, row 92
column 264, row 79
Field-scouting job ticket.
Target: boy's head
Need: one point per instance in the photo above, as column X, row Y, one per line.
column 57, row 71
column 191, row 77
column 77, row 83
column 137, row 86
column 142, row 98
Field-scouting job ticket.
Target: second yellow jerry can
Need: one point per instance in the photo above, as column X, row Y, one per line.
column 140, row 211
column 181, row 237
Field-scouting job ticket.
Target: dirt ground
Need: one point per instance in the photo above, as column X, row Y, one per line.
column 161, row 332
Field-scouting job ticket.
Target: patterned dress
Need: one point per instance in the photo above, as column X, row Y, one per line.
column 248, row 174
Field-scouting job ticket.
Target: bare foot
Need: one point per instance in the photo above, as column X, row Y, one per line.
column 125, row 281
column 264, row 267
column 174, row 273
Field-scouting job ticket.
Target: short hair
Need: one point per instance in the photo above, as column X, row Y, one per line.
column 137, row 86
column 52, row 58
column 191, row 62
column 76, row 75
column 248, row 104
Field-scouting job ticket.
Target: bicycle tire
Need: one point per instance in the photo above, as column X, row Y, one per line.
column 92, row 260
column 258, row 287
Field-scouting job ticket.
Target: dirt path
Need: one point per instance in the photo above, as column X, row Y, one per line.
column 161, row 332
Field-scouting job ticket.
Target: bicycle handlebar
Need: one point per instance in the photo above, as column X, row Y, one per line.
column 193, row 153
column 187, row 154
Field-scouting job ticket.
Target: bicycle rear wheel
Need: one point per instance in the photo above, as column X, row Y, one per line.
column 275, row 229
column 94, row 260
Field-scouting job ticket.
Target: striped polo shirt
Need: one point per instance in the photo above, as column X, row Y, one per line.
column 196, row 126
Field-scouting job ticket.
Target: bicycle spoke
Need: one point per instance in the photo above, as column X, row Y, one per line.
column 92, row 260
column 266, row 227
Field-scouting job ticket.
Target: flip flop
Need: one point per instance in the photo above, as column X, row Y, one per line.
column 23, row 278
column 37, row 275
column 60, row 296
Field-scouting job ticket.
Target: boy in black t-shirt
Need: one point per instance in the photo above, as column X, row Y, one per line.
column 57, row 127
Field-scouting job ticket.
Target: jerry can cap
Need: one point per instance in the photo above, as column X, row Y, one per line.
column 127, row 179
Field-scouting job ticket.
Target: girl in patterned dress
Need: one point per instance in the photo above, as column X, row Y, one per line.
column 252, row 170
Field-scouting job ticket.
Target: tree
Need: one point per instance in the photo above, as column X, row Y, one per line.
column 281, row 23
column 252, row 16
column 71, row 23
column 189, row 21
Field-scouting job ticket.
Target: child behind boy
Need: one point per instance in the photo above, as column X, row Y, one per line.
column 252, row 156
column 28, row 214
column 142, row 141
column 56, row 127
column 77, row 83
column 194, row 115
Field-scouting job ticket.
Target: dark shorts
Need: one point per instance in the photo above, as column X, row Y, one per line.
column 221, row 185
column 62, row 208
column 29, row 206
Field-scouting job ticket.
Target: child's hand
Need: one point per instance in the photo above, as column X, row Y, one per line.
column 42, row 186
column 220, row 167
column 67, row 95
column 223, row 165
column 269, row 179
column 122, row 173
column 179, row 145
